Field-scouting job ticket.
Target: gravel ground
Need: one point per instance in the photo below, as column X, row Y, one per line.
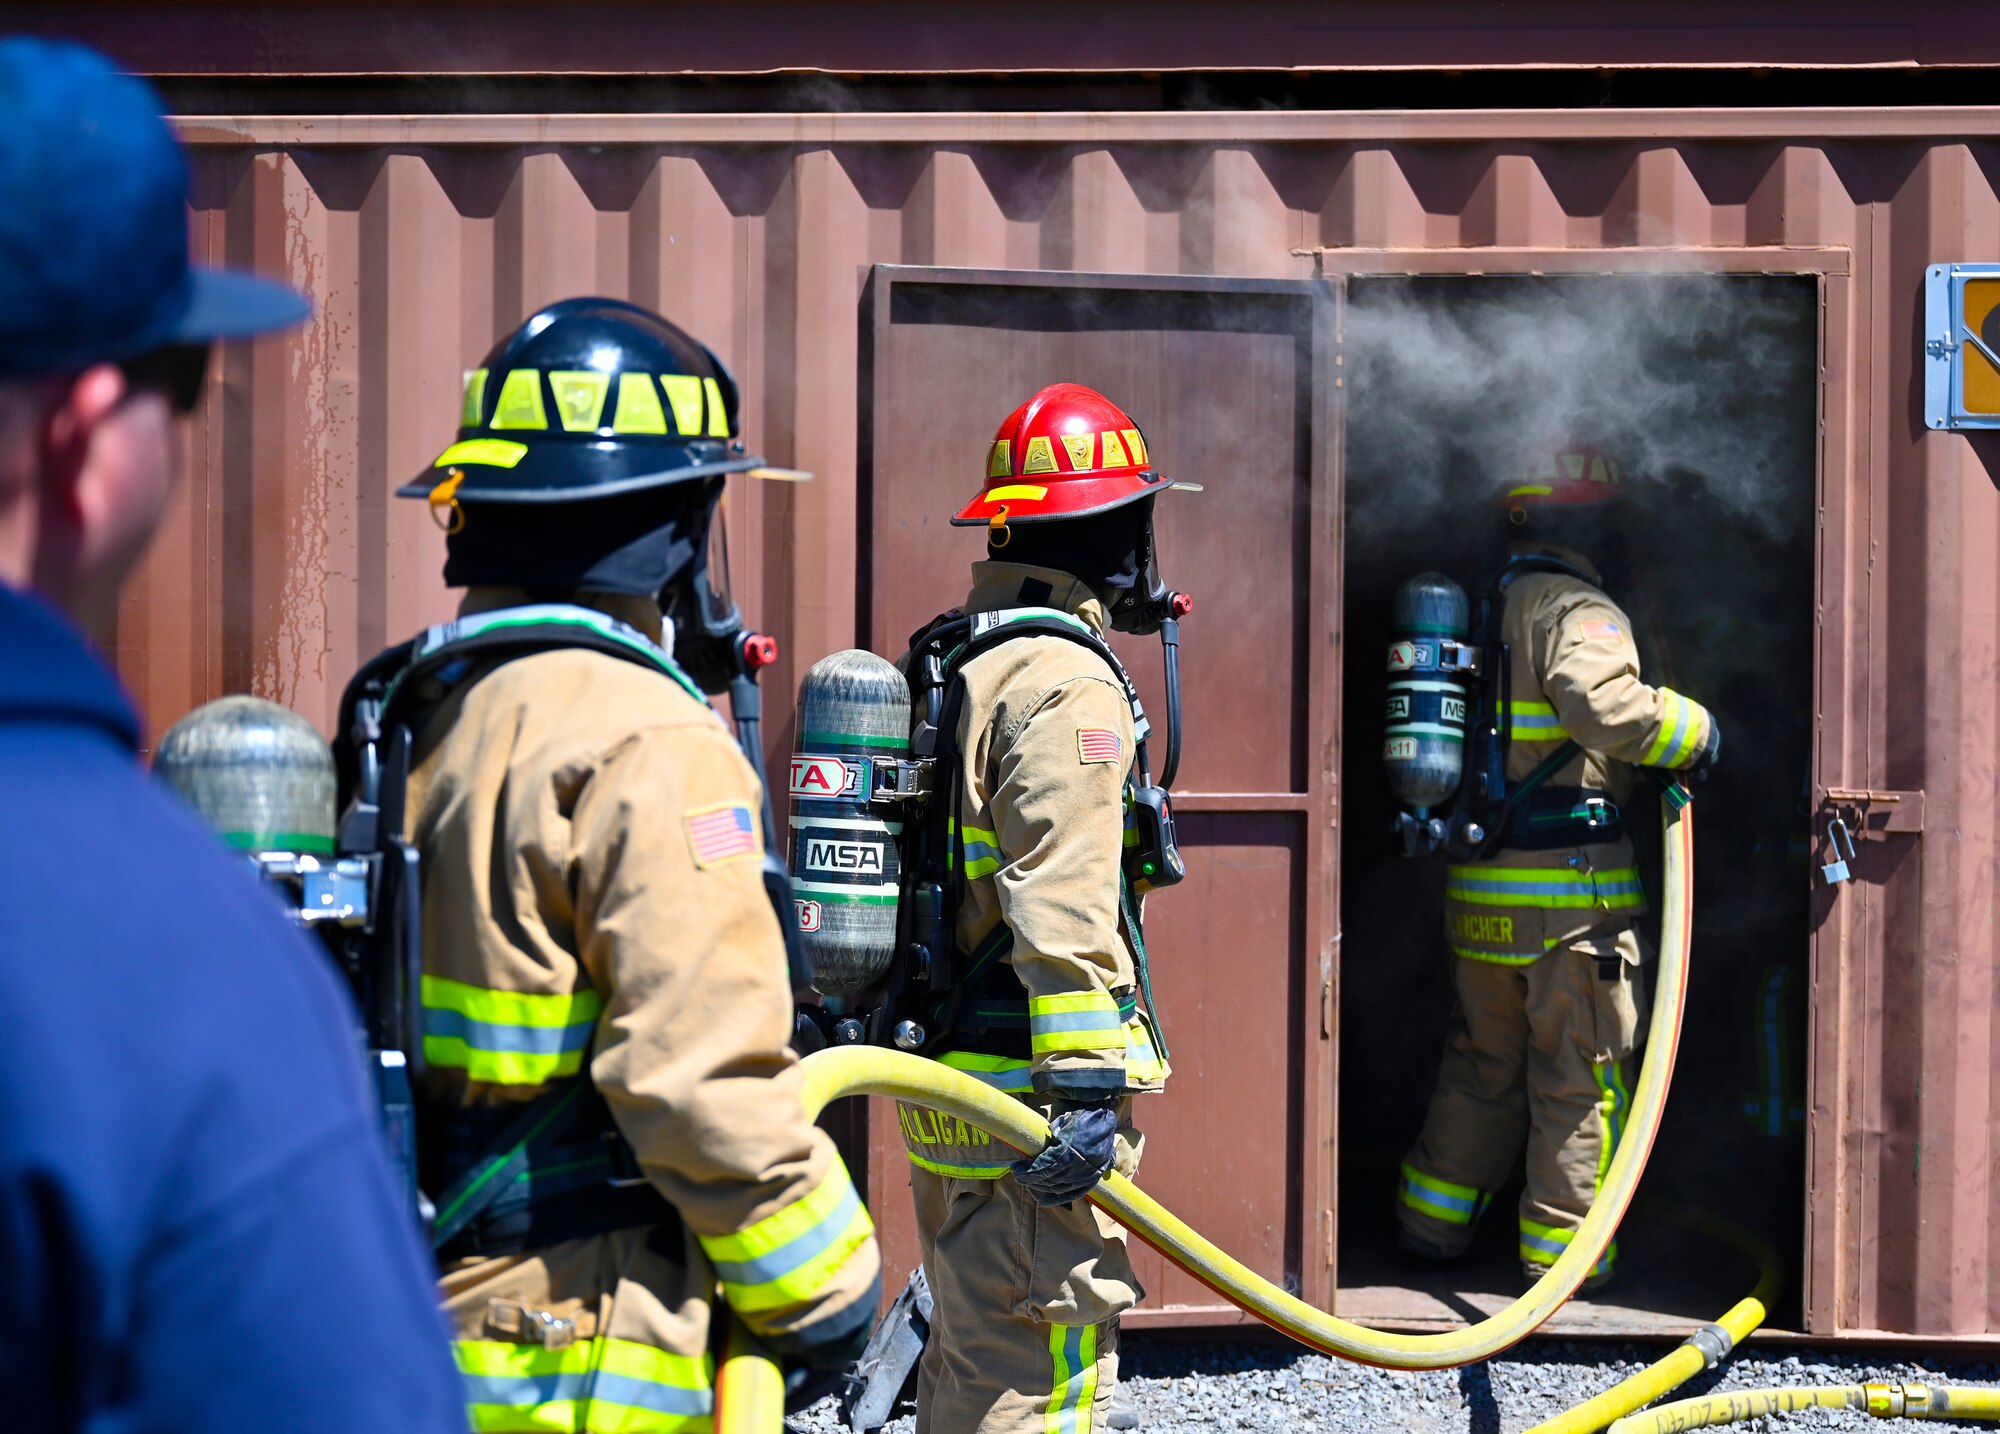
column 1180, row 1387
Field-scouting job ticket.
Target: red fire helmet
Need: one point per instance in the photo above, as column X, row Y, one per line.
column 1575, row 475
column 1067, row 452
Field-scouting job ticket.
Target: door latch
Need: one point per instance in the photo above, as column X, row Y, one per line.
column 1837, row 838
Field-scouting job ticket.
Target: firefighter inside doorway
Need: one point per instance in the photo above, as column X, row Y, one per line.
column 1543, row 893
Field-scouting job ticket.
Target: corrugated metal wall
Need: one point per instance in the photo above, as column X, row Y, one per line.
column 288, row 561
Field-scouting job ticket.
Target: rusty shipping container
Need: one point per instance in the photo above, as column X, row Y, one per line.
column 882, row 281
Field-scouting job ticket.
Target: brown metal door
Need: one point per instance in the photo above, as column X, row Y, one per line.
column 1227, row 378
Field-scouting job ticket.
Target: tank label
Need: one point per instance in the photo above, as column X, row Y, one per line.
column 859, row 858
column 1454, row 710
column 1402, row 656
column 1399, row 707
column 809, row 915
column 826, row 777
column 1399, row 749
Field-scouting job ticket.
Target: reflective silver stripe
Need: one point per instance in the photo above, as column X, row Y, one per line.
column 494, row 1036
column 762, row 1269
column 611, row 1388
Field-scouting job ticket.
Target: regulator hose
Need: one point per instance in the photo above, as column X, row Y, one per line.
column 867, row 1070
column 1883, row 1401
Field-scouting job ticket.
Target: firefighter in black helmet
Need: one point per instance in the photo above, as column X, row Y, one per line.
column 604, row 993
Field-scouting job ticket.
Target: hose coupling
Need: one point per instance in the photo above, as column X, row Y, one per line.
column 1897, row 1401
column 1714, row 1342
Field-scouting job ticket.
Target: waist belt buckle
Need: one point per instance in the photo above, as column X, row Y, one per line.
column 530, row 1325
column 1599, row 813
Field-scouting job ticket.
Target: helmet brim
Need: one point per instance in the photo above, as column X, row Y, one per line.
column 499, row 470
column 1566, row 494
column 1018, row 500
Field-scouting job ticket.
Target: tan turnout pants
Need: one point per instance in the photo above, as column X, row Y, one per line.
column 1024, row 1338
column 1535, row 1050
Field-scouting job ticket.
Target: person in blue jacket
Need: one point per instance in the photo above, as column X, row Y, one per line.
column 198, row 1229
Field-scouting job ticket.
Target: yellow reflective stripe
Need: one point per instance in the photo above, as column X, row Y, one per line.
column 684, row 395
column 638, row 409
column 493, row 452
column 595, row 1384
column 1536, row 722
column 1497, row 958
column 511, row 1008
column 520, row 404
column 982, row 852
column 475, row 399
column 500, row 1067
column 1142, row 1057
column 1440, row 1199
column 1679, row 737
column 656, row 1366
column 787, row 1258
column 1544, row 1244
column 1029, row 491
column 1551, row 888
column 1073, row 1352
column 1067, row 1002
column 1075, row 1021
column 580, row 395
column 787, row 1224
column 1005, row 1074
column 718, row 416
column 956, row 1172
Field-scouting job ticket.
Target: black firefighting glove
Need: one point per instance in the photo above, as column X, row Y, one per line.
column 1711, row 752
column 1082, row 1145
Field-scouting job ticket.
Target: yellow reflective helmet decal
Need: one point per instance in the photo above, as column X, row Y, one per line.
column 580, row 395
column 1041, row 456
column 1000, row 462
column 684, row 394
column 493, row 452
column 1114, row 451
column 718, row 415
column 1082, row 449
column 1032, row 492
column 475, row 399
column 1136, row 444
column 638, row 409
column 520, row 404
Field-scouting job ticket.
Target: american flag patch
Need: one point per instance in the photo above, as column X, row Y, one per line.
column 1601, row 632
column 1097, row 744
column 721, row 834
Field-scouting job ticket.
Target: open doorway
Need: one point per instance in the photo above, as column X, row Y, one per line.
column 1704, row 388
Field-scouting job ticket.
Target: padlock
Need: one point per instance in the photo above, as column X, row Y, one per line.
column 1838, row 836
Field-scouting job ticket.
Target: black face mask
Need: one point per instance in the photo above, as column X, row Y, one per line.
column 1112, row 552
column 634, row 543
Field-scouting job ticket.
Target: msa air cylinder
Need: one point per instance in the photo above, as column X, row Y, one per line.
column 1430, row 669
column 854, row 713
column 256, row 773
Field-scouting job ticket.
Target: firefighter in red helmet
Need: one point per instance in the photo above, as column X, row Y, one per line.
column 1544, row 922
column 1046, row 744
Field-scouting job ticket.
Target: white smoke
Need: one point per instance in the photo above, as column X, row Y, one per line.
column 1457, row 384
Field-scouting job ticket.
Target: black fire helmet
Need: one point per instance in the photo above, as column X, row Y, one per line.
column 590, row 398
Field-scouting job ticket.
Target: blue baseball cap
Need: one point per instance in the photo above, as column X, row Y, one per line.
column 93, row 223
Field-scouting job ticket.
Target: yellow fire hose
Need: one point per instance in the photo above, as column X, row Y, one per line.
column 1707, row 1347
column 857, row 1070
column 1884, row 1401
column 749, row 1392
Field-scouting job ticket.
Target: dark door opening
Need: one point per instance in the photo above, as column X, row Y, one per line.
column 1704, row 389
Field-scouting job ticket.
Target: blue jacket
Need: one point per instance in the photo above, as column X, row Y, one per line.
column 198, row 1229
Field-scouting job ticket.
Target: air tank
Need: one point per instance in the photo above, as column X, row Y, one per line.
column 854, row 712
column 1423, row 748
column 255, row 772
